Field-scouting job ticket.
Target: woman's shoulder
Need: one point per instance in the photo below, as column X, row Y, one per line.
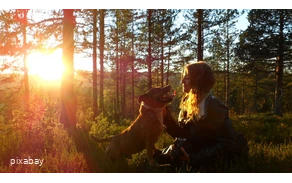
column 213, row 101
column 215, row 107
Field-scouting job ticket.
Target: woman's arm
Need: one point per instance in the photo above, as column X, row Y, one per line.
column 172, row 127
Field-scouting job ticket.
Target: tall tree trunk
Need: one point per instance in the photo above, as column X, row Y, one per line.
column 133, row 70
column 227, row 91
column 101, row 50
column 68, row 100
column 243, row 89
column 117, row 108
column 26, row 86
column 123, row 82
column 162, row 61
column 200, row 36
column 279, row 69
column 254, row 109
column 149, row 58
column 168, row 63
column 94, row 71
column 217, row 76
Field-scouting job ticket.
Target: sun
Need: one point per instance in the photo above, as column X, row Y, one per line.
column 47, row 66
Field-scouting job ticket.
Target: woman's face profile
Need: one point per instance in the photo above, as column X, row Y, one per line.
column 186, row 82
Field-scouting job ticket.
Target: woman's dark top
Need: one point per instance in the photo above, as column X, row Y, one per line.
column 211, row 136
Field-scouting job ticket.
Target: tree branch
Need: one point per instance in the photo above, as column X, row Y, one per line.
column 46, row 20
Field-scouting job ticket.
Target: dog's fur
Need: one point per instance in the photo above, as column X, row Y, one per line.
column 145, row 130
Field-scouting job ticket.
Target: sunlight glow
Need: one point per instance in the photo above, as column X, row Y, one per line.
column 47, row 66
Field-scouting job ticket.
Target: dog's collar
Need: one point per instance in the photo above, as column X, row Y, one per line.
column 157, row 110
column 154, row 112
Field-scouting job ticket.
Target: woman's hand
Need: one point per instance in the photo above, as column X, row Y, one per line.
column 186, row 156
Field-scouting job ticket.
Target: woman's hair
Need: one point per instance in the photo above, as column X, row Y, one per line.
column 201, row 80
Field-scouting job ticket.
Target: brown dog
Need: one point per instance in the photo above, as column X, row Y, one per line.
column 145, row 130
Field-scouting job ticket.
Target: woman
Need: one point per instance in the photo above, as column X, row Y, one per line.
column 204, row 135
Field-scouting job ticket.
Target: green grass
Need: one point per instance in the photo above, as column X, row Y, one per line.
column 40, row 135
column 267, row 135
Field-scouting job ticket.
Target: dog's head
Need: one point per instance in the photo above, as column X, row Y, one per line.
column 157, row 97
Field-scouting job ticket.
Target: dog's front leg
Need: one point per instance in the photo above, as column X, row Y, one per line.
column 149, row 149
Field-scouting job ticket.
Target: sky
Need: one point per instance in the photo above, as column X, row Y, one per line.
column 242, row 22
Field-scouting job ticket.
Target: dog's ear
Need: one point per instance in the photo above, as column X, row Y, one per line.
column 140, row 98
